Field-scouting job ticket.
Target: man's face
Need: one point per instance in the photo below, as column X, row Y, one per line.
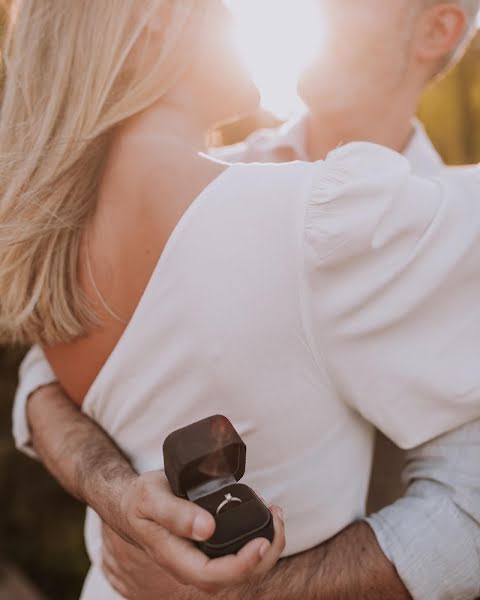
column 365, row 55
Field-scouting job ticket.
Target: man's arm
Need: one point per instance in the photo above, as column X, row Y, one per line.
column 431, row 535
column 89, row 465
column 140, row 508
column 84, row 460
column 351, row 566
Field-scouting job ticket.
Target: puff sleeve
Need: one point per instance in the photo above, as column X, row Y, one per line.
column 392, row 290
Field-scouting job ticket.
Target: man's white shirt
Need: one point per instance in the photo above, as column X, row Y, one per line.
column 289, row 142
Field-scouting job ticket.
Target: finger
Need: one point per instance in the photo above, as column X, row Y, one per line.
column 236, row 569
column 107, row 543
column 180, row 517
column 110, row 565
column 110, row 555
column 115, row 581
column 195, row 568
column 278, row 545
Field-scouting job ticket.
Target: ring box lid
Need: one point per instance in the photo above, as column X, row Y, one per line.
column 203, row 457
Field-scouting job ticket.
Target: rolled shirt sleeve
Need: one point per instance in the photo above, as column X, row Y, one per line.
column 35, row 372
column 432, row 534
column 392, row 276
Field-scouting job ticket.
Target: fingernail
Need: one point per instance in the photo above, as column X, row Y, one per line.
column 201, row 527
column 280, row 515
column 264, row 548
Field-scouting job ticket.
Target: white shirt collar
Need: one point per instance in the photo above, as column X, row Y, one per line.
column 289, row 142
column 421, row 153
column 292, row 135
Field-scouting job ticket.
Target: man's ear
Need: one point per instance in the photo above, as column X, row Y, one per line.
column 440, row 30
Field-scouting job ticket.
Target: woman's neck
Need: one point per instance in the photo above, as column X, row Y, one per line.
column 169, row 123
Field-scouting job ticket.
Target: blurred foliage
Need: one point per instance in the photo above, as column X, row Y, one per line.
column 451, row 110
column 41, row 528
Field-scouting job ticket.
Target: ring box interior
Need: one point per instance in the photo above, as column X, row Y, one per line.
column 204, row 463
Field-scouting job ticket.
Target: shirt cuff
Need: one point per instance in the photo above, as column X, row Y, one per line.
column 35, row 372
column 428, row 541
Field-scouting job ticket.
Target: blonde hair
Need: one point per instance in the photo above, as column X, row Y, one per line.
column 68, row 85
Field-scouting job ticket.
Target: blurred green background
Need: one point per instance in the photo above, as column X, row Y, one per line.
column 41, row 528
column 451, row 110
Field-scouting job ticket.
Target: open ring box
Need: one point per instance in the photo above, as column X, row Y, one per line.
column 203, row 463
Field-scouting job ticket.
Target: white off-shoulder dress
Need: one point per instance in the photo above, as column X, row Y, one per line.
column 309, row 303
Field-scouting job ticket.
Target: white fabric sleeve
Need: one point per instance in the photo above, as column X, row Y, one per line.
column 392, row 266
column 432, row 534
column 35, row 372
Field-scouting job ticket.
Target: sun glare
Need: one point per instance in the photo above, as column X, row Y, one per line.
column 277, row 39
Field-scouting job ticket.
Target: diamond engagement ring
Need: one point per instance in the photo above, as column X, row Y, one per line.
column 228, row 498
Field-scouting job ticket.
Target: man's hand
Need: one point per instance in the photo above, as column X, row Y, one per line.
column 133, row 573
column 140, row 508
column 350, row 566
column 161, row 525
column 91, row 467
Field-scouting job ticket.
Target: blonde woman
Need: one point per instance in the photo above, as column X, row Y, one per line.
column 165, row 287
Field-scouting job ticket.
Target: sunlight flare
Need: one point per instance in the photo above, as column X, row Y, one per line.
column 277, row 39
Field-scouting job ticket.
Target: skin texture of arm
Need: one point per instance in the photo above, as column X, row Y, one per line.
column 350, row 566
column 89, row 465
column 83, row 459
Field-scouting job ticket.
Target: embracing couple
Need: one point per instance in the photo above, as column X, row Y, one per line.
column 311, row 302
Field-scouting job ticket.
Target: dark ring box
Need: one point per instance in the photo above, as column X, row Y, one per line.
column 203, row 463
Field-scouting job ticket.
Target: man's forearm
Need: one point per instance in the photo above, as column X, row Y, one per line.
column 78, row 453
column 350, row 566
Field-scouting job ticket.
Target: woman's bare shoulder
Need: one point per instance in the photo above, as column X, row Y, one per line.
column 145, row 193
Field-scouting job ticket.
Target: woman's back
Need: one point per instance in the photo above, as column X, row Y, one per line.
column 147, row 185
column 279, row 300
column 220, row 329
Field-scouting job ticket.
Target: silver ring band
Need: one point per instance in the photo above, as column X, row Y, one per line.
column 228, row 498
